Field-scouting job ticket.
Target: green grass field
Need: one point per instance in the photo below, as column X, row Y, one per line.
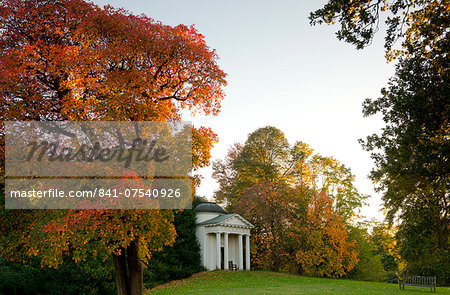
column 263, row 282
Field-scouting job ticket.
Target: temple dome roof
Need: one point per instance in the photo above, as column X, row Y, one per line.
column 209, row 207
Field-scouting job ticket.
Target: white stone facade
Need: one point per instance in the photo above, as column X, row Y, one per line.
column 223, row 238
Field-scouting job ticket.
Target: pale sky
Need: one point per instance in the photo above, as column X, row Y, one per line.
column 285, row 73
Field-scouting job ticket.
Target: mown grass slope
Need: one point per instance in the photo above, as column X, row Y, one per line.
column 264, row 282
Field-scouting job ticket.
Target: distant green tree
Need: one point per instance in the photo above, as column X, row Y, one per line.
column 369, row 267
column 386, row 246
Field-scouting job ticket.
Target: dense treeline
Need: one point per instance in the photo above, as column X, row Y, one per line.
column 302, row 204
column 411, row 153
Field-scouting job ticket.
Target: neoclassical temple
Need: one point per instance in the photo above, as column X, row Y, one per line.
column 224, row 238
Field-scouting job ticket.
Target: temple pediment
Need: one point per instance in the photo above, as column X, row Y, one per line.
column 233, row 220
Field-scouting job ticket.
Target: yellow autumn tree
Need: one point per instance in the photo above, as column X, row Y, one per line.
column 325, row 249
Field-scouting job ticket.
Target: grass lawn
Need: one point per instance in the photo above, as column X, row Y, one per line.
column 264, row 282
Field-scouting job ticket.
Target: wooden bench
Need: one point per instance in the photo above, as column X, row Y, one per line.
column 418, row 281
column 232, row 266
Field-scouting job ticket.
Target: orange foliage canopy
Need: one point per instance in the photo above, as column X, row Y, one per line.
column 326, row 250
column 71, row 60
column 297, row 230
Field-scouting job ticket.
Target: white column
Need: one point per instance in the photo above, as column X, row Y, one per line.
column 225, row 254
column 240, row 254
column 247, row 252
column 218, row 251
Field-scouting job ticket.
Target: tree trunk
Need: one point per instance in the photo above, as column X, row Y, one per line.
column 128, row 271
column 121, row 274
column 134, row 269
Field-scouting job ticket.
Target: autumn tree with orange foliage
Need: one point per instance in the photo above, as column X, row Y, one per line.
column 300, row 203
column 71, row 60
column 271, row 207
column 325, row 249
column 297, row 230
